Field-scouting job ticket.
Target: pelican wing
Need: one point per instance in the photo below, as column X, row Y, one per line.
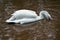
column 25, row 14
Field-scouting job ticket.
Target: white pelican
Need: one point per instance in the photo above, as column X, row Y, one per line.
column 27, row 16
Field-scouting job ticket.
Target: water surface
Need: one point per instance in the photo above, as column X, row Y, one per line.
column 41, row 30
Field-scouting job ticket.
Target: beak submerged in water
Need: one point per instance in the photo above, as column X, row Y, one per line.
column 50, row 18
column 46, row 15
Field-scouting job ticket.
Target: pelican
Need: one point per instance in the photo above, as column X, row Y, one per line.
column 27, row 16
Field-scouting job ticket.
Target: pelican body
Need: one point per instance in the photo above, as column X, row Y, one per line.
column 27, row 16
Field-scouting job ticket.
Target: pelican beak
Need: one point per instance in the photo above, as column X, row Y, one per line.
column 50, row 18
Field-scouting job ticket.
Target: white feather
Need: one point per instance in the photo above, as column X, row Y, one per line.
column 26, row 16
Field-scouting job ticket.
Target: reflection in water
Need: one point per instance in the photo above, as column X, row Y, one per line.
column 41, row 30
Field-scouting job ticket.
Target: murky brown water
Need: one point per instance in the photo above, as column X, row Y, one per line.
column 41, row 30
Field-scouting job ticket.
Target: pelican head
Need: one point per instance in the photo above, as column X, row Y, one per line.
column 45, row 15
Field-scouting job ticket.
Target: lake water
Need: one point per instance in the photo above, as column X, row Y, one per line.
column 41, row 30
